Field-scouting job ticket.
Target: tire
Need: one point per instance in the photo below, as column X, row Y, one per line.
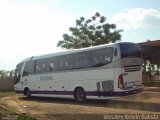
column 80, row 95
column 28, row 93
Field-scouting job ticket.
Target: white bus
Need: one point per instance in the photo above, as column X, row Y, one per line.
column 101, row 72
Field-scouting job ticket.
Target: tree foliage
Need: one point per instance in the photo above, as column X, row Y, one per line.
column 90, row 32
column 4, row 74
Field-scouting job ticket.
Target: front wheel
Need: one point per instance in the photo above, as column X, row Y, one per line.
column 28, row 93
column 80, row 95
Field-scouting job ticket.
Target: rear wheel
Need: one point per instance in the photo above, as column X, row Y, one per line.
column 80, row 95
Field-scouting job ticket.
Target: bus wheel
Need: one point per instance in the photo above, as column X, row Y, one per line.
column 80, row 95
column 28, row 93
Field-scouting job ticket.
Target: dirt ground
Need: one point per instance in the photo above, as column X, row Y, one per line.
column 62, row 109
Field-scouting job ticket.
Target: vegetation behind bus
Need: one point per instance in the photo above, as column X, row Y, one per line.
column 90, row 32
column 151, row 73
column 4, row 74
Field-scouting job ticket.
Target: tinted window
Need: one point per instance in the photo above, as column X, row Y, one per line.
column 62, row 62
column 102, row 57
column 29, row 68
column 88, row 59
column 69, row 62
column 130, row 50
column 82, row 60
column 65, row 62
column 53, row 63
column 115, row 52
column 42, row 66
column 18, row 73
column 19, row 68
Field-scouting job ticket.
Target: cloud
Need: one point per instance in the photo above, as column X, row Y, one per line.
column 27, row 30
column 137, row 18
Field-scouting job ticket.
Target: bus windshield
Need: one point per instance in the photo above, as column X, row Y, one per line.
column 130, row 50
column 18, row 73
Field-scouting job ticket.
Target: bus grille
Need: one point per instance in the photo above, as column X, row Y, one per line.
column 132, row 68
column 107, row 85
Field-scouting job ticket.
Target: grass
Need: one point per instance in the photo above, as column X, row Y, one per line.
column 11, row 115
column 3, row 94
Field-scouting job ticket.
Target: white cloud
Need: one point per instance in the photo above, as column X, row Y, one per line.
column 137, row 18
column 27, row 30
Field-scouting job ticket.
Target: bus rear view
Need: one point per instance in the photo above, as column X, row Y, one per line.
column 130, row 72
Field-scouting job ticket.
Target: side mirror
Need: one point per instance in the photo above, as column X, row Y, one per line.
column 12, row 73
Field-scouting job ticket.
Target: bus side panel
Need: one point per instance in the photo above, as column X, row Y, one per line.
column 68, row 81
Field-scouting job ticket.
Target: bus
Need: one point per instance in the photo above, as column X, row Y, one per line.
column 99, row 72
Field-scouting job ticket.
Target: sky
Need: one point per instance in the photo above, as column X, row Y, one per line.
column 34, row 27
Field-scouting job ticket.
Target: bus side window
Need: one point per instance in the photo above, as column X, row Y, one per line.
column 29, row 68
column 102, row 57
column 115, row 52
column 69, row 62
column 53, row 64
column 38, row 68
column 62, row 62
column 82, row 60
column 42, row 66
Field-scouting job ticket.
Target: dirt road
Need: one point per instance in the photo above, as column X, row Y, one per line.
column 60, row 109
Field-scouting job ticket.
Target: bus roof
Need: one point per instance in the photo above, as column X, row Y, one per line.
column 70, row 51
column 73, row 51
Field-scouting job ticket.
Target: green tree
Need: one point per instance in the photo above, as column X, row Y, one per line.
column 90, row 32
column 4, row 74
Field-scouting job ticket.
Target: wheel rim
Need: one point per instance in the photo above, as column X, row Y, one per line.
column 80, row 96
column 28, row 93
